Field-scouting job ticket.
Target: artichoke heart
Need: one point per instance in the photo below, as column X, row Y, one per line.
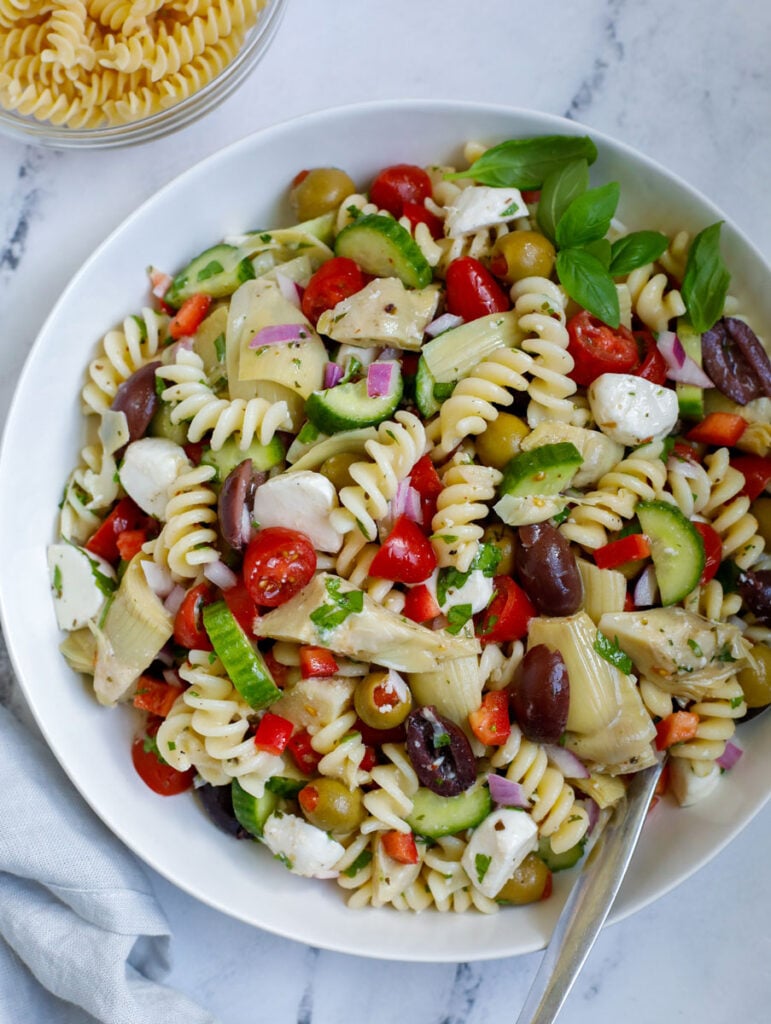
column 454, row 689
column 625, row 745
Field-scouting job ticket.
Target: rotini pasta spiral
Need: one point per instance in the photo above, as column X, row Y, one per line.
column 466, row 491
column 342, row 749
column 447, row 881
column 124, row 350
column 717, row 716
column 391, row 801
column 728, row 511
column 187, row 540
column 651, row 301
column 353, row 564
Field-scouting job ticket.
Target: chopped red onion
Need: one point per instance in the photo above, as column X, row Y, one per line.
column 730, row 756
column 172, row 677
column 389, row 353
column 173, row 602
column 279, row 334
column 165, row 656
column 220, row 575
column 333, row 374
column 505, row 792
column 288, row 288
column 564, row 760
column 443, row 323
column 680, row 366
column 381, row 379
column 160, row 282
column 406, row 502
column 158, row 579
column 592, row 809
column 646, row 589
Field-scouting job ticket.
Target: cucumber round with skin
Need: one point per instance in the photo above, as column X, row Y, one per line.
column 434, row 816
column 252, row 811
column 226, row 458
column 429, row 393
column 545, row 470
column 217, row 271
column 677, row 549
column 559, row 861
column 243, row 663
column 383, row 248
column 348, row 406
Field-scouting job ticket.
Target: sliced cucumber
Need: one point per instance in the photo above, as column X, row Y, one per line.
column 559, row 861
column 435, row 816
column 545, row 470
column 690, row 397
column 161, row 425
column 225, row 460
column 677, row 549
column 382, row 247
column 348, row 406
column 429, row 394
column 217, row 271
column 252, row 811
column 243, row 662
column 283, row 786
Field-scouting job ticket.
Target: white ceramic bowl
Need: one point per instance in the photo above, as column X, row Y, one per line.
column 92, row 743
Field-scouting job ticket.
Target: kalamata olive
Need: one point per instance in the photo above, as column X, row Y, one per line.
column 539, row 695
column 138, row 399
column 440, row 752
column 736, row 361
column 217, row 801
column 755, row 589
column 547, row 569
column 236, row 496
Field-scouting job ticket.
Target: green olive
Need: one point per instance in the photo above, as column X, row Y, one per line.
column 755, row 679
column 504, row 538
column 382, row 701
column 318, row 191
column 336, row 468
column 501, row 440
column 527, row 884
column 330, row 805
column 523, row 254
column 761, row 509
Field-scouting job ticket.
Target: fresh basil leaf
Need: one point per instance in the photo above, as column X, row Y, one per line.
column 559, row 190
column 525, row 163
column 449, row 578
column 589, row 284
column 457, row 617
column 487, row 559
column 600, row 249
column 706, row 280
column 611, row 651
column 328, row 616
column 635, row 250
column 588, row 217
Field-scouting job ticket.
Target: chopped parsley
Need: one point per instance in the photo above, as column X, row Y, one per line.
column 219, row 347
column 482, row 863
column 486, row 560
column 611, row 651
column 724, row 654
column 695, row 648
column 361, row 862
column 457, row 617
column 211, row 268
column 57, row 581
column 329, row 616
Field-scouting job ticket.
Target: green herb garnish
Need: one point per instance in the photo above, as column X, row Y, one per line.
column 611, row 651
column 525, row 163
column 329, row 616
column 706, row 280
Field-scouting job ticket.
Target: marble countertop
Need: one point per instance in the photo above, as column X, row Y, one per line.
column 688, row 83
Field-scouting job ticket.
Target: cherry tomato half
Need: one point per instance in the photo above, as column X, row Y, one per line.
column 242, row 607
column 418, row 214
column 278, row 563
column 597, row 348
column 406, row 555
column 472, row 291
column 713, row 551
column 188, row 627
column 335, row 280
column 155, row 773
column 508, row 614
column 653, row 365
column 400, row 184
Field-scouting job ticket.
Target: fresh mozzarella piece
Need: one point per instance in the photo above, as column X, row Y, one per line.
column 632, row 410
column 687, row 786
column 150, row 466
column 300, row 501
column 497, row 847
column 480, row 206
column 477, row 591
column 80, row 582
column 305, row 849
column 384, row 312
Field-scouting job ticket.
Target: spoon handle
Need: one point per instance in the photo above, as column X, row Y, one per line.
column 590, row 900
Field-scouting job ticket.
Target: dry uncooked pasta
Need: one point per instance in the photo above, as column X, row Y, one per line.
column 92, row 63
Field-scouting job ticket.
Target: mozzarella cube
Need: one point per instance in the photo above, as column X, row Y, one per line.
column 81, row 582
column 303, row 848
column 300, row 501
column 632, row 410
column 480, row 206
column 497, row 847
column 477, row 591
column 687, row 786
column 149, row 468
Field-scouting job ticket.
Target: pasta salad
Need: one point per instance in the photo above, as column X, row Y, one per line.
column 414, row 528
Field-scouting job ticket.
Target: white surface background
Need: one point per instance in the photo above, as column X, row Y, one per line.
column 689, row 83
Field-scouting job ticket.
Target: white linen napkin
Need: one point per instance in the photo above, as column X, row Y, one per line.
column 82, row 937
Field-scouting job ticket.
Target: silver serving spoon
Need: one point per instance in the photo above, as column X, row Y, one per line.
column 589, row 902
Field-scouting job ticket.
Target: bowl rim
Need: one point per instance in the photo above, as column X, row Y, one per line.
column 164, row 122
column 297, row 931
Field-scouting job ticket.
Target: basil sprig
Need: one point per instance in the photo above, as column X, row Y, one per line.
column 560, row 188
column 526, row 163
column 635, row 250
column 706, row 280
column 588, row 282
column 587, row 218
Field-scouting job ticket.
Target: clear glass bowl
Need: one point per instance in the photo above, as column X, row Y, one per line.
column 181, row 114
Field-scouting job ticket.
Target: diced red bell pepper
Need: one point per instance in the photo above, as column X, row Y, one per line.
column 713, row 551
column 626, row 549
column 405, row 556
column 125, row 516
column 401, row 847
column 420, row 605
column 273, row 733
column 189, row 316
column 369, row 760
column 628, row 602
column 756, row 470
column 425, row 479
column 678, row 727
column 155, row 695
column 129, row 543
column 316, row 662
column 721, row 429
column 304, row 756
column 490, row 722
